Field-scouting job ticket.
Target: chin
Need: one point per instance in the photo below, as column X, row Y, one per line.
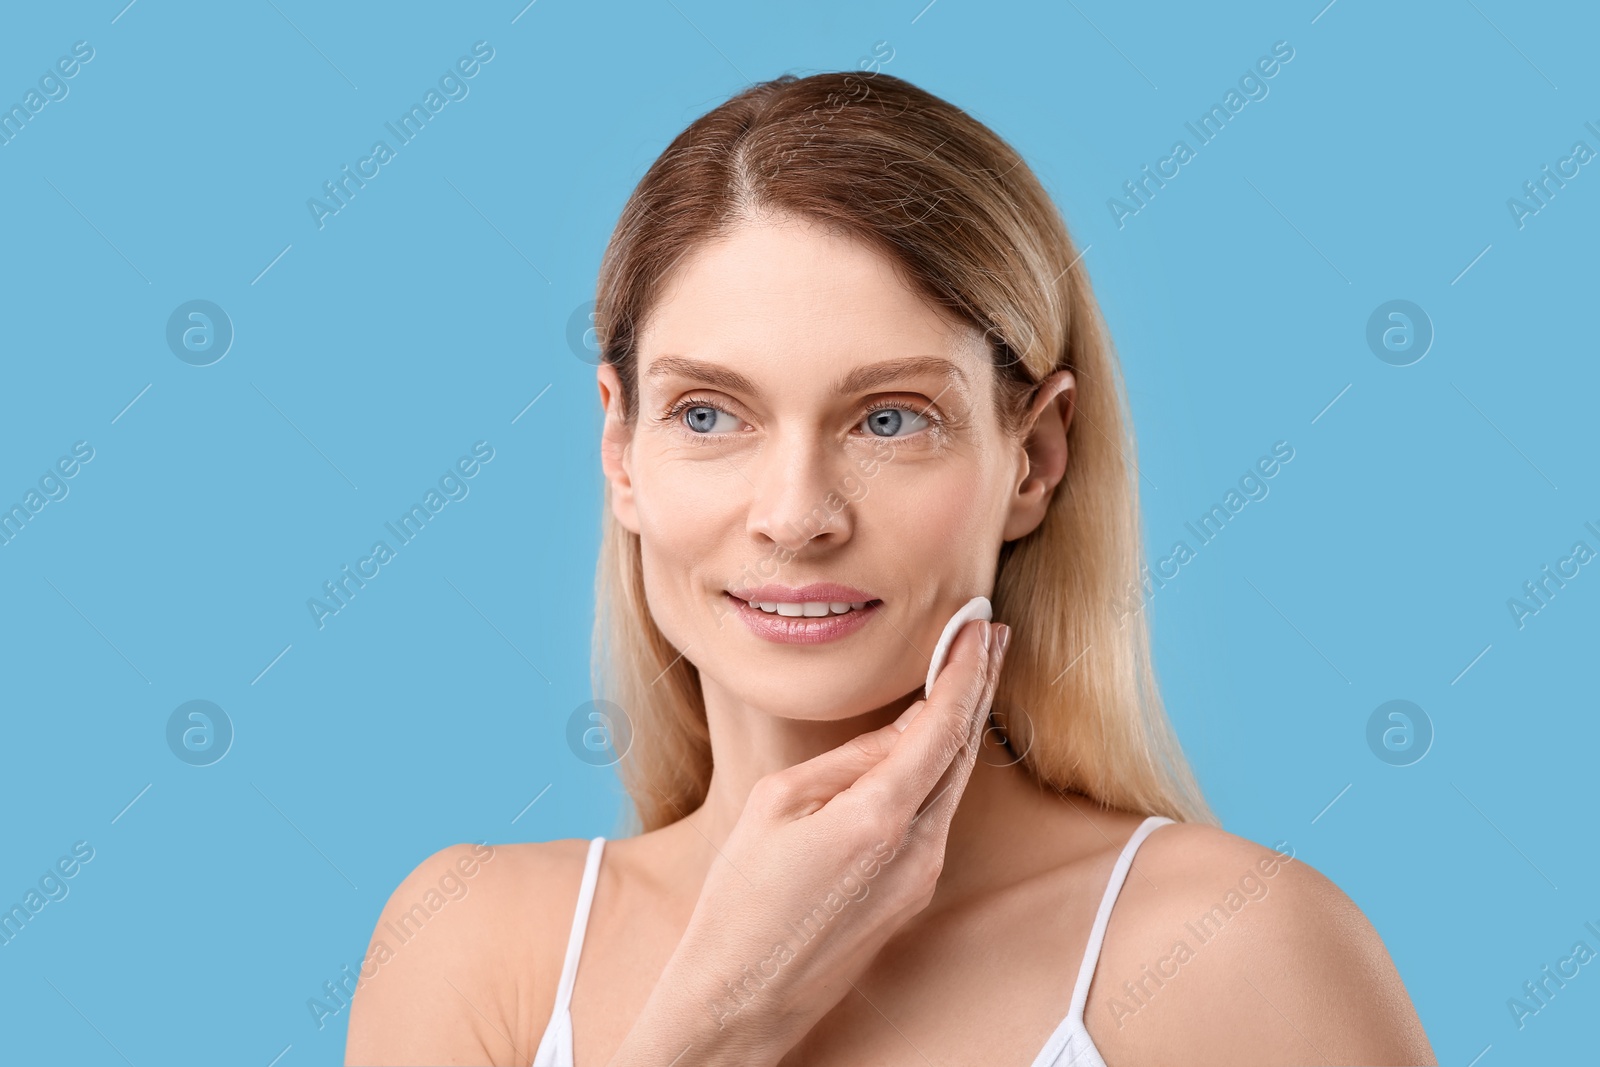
column 808, row 699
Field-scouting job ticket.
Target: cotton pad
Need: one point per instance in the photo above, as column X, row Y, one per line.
column 976, row 608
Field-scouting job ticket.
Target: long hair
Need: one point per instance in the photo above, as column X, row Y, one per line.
column 971, row 229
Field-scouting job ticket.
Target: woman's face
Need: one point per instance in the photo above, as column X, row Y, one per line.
column 805, row 418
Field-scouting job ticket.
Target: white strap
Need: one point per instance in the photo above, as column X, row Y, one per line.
column 1102, row 918
column 580, row 922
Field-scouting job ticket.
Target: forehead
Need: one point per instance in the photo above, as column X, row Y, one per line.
column 790, row 291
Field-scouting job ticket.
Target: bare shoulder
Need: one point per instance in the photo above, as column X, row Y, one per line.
column 460, row 957
column 1220, row 950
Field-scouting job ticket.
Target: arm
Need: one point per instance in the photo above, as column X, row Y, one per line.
column 429, row 991
column 1277, row 965
column 1319, row 981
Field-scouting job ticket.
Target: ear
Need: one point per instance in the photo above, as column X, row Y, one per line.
column 616, row 454
column 1045, row 445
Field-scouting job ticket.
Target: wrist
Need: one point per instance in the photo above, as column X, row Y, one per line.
column 687, row 1020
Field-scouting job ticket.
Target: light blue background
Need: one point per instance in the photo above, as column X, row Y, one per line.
column 428, row 314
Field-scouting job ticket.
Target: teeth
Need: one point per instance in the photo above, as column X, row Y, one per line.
column 811, row 609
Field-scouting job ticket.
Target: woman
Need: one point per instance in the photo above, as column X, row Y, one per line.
column 854, row 376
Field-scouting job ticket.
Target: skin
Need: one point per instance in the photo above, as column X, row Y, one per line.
column 965, row 957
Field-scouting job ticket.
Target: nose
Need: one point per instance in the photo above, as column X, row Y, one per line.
column 801, row 492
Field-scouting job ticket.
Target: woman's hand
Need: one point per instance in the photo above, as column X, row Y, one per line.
column 827, row 860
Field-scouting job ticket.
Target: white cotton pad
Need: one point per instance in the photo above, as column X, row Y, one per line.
column 976, row 608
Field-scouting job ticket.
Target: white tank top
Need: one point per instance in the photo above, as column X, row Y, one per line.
column 1069, row 1046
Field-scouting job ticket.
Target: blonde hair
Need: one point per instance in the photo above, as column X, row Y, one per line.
column 968, row 226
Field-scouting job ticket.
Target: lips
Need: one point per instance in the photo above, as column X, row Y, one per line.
column 810, row 614
column 816, row 592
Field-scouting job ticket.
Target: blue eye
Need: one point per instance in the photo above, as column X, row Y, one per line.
column 703, row 421
column 887, row 421
column 702, row 418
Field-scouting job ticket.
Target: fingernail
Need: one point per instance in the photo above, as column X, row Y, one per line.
column 910, row 713
column 1005, row 637
column 983, row 633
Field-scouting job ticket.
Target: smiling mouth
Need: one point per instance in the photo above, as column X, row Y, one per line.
column 804, row 615
column 808, row 609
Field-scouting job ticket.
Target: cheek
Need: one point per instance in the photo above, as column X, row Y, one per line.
column 685, row 516
column 949, row 528
column 939, row 536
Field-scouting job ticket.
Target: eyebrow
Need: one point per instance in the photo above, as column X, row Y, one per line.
column 858, row 380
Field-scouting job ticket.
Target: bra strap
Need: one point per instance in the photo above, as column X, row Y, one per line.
column 1102, row 918
column 580, row 923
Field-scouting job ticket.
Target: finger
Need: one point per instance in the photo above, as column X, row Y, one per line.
column 905, row 777
column 933, row 821
column 947, row 790
column 820, row 778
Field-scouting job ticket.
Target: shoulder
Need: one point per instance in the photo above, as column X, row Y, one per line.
column 460, row 952
column 1221, row 949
